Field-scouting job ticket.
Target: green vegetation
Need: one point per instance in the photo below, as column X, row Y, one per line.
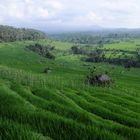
column 8, row 33
column 44, row 51
column 38, row 105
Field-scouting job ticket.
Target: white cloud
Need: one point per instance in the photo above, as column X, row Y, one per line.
column 106, row 13
column 55, row 4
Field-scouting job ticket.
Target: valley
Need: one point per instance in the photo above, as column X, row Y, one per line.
column 58, row 104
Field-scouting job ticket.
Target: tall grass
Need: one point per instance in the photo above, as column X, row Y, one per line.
column 59, row 105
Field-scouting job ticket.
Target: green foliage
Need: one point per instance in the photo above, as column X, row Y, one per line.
column 45, row 51
column 59, row 105
column 9, row 34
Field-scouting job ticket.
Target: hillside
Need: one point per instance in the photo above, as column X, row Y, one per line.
column 9, row 34
column 59, row 104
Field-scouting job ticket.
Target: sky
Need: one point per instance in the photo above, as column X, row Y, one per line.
column 52, row 15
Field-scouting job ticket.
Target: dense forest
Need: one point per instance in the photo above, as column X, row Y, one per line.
column 9, row 34
column 106, row 36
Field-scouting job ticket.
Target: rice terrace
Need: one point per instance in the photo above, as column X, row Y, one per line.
column 69, row 80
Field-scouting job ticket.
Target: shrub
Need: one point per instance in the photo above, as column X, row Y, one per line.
column 45, row 51
column 100, row 79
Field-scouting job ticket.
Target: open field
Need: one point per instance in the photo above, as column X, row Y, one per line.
column 59, row 105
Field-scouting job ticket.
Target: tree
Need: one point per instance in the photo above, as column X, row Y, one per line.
column 9, row 34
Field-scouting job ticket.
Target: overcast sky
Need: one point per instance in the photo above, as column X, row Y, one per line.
column 70, row 14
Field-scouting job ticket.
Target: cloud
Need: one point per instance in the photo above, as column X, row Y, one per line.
column 64, row 13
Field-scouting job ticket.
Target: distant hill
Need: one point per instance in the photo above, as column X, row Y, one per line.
column 95, row 36
column 9, row 34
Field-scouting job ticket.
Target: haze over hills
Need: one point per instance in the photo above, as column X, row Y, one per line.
column 65, row 29
column 62, row 30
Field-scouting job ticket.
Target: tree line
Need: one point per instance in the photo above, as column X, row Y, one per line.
column 99, row 55
column 10, row 34
column 45, row 51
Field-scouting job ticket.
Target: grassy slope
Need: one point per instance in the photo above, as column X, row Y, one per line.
column 58, row 105
column 129, row 46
